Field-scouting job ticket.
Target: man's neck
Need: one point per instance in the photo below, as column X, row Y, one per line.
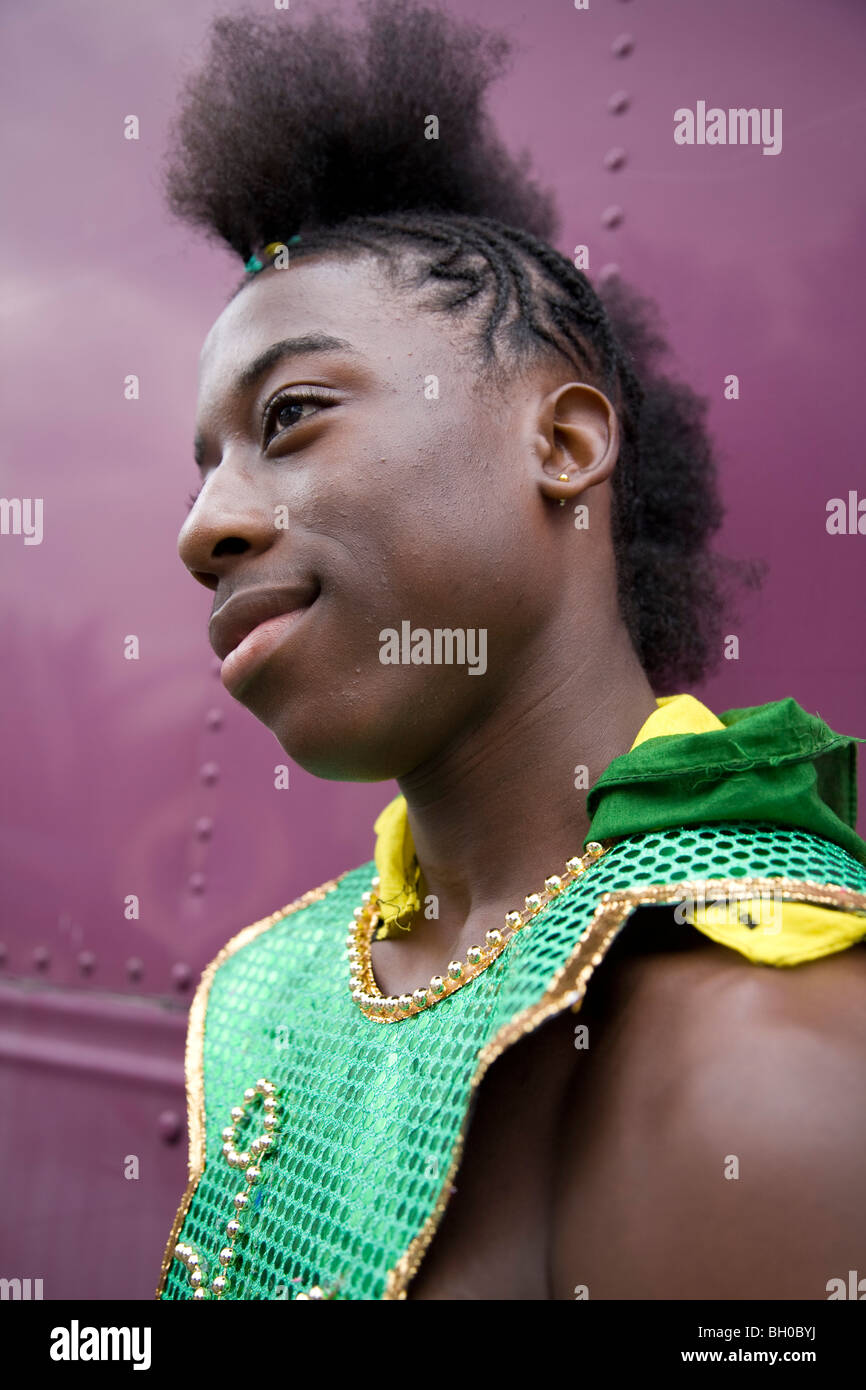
column 505, row 805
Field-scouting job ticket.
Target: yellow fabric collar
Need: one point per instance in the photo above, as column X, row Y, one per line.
column 787, row 933
column 396, row 865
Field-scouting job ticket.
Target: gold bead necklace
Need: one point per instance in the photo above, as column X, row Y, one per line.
column 381, row 1008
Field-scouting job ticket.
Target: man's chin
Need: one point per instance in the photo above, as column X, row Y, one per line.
column 340, row 756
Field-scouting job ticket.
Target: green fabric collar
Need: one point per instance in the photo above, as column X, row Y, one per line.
column 772, row 762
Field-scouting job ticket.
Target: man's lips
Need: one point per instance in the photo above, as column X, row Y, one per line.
column 246, row 609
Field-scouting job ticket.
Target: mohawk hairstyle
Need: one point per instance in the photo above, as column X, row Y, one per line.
column 320, row 132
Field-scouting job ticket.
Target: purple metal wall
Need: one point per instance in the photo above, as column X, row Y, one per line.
column 142, row 777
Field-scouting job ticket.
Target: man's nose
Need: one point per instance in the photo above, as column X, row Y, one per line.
column 231, row 516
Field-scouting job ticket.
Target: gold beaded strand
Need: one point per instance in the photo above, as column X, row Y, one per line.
column 381, row 1008
column 250, row 1161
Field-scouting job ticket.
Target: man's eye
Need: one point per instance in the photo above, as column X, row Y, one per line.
column 287, row 409
column 283, row 413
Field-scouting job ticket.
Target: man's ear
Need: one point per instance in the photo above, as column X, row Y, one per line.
column 577, row 435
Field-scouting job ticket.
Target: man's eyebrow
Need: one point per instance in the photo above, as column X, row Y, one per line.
column 286, row 347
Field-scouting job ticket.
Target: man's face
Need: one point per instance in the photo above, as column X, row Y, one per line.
column 390, row 497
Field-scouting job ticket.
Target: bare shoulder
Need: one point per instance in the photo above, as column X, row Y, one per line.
column 711, row 1135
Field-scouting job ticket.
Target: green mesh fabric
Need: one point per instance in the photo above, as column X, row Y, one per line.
column 370, row 1112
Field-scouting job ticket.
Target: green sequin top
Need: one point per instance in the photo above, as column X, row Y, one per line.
column 371, row 1117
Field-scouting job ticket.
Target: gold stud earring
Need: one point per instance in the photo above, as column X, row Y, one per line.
column 563, row 478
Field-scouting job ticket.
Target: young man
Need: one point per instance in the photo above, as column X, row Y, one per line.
column 456, row 528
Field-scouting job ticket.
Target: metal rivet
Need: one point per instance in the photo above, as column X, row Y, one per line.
column 619, row 102
column 615, row 158
column 181, row 975
column 86, row 961
column 214, row 719
column 42, row 957
column 135, row 967
column 196, row 883
column 622, row 46
column 170, row 1126
column 210, row 773
column 204, row 827
column 612, row 217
